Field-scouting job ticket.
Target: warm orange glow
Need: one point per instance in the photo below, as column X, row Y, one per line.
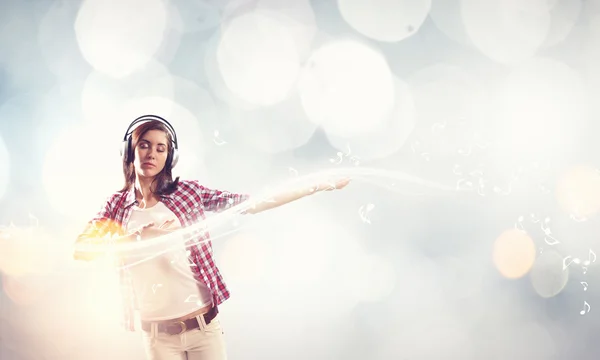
column 25, row 251
column 514, row 253
column 578, row 191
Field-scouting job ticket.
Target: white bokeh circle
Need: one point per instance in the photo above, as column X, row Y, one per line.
column 347, row 87
column 506, row 31
column 258, row 59
column 103, row 97
column 81, row 169
column 118, row 37
column 383, row 140
column 385, row 20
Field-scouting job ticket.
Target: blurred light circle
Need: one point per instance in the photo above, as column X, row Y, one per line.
column 347, row 87
column 578, row 191
column 387, row 138
column 385, row 20
column 300, row 20
column 20, row 55
column 447, row 94
column 4, row 168
column 81, row 169
column 506, row 31
column 514, row 253
column 103, row 97
column 258, row 59
column 118, row 37
column 215, row 78
column 62, row 57
column 547, row 276
column 542, row 104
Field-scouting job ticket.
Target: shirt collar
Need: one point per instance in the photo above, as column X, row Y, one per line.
column 130, row 197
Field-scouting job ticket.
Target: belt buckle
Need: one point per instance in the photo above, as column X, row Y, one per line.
column 183, row 327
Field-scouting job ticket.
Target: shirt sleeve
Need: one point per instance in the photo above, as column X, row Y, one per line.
column 217, row 200
column 101, row 224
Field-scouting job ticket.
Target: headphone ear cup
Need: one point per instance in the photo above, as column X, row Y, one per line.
column 123, row 150
column 126, row 150
column 174, row 158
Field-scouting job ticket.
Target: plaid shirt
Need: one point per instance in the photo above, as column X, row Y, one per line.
column 188, row 203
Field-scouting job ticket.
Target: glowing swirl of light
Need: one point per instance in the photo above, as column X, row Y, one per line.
column 176, row 238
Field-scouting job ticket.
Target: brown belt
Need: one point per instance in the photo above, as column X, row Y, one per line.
column 179, row 327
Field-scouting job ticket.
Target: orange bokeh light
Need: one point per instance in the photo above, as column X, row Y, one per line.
column 578, row 191
column 514, row 253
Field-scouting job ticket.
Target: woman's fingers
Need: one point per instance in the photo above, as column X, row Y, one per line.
column 167, row 223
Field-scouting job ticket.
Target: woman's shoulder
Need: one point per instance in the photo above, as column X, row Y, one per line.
column 188, row 185
column 116, row 197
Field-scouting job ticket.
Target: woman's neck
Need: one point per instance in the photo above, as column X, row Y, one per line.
column 143, row 189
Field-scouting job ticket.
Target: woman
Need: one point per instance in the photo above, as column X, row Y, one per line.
column 176, row 294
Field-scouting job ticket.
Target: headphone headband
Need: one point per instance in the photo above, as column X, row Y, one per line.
column 146, row 118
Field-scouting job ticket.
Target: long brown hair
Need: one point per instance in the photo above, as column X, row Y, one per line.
column 163, row 183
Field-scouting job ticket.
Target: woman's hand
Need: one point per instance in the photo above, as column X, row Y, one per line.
column 150, row 231
column 334, row 185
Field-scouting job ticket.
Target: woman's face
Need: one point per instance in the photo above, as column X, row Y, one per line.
column 151, row 153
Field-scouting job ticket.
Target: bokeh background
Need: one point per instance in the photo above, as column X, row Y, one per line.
column 494, row 99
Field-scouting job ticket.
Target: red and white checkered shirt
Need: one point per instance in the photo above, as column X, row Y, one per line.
column 188, row 203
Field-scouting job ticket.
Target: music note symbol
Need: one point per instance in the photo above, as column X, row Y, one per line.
column 566, row 265
column 363, row 213
column 217, row 140
column 585, row 285
column 456, row 169
column 519, row 224
column 339, row 160
column 465, row 151
column 438, row 126
column 293, row 171
column 584, row 311
column 591, row 255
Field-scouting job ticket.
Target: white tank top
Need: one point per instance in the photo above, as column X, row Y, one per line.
column 165, row 287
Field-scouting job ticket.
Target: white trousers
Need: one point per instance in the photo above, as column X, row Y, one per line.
column 205, row 343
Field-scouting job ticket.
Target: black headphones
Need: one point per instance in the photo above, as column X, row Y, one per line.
column 127, row 151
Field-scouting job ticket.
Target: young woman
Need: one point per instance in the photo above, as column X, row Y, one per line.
column 176, row 294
